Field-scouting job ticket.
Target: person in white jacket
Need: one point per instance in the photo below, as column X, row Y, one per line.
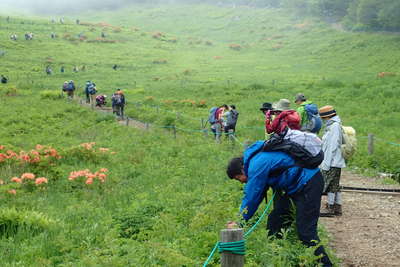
column 333, row 162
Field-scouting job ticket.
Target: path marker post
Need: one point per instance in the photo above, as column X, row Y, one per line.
column 370, row 144
column 229, row 259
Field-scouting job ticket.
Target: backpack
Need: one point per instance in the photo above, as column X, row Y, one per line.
column 92, row 89
column 70, row 87
column 301, row 155
column 65, row 87
column 117, row 99
column 235, row 116
column 314, row 121
column 211, row 117
column 349, row 142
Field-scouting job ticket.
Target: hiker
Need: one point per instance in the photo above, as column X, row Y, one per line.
column 8, row 19
column 75, row 69
column 4, row 79
column 53, row 35
column 90, row 91
column 277, row 108
column 216, row 121
column 83, row 68
column 62, row 69
column 333, row 163
column 13, row 37
column 64, row 86
column 291, row 183
column 118, row 103
column 115, row 66
column 103, row 35
column 308, row 111
column 49, row 71
column 78, row 21
column 71, row 89
column 230, row 120
column 101, row 100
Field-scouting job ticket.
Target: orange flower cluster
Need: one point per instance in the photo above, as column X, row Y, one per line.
column 90, row 177
column 33, row 156
column 88, row 146
column 28, row 178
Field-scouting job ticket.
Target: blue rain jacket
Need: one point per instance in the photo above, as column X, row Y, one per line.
column 258, row 170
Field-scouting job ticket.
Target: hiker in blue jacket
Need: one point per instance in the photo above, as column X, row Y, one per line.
column 261, row 170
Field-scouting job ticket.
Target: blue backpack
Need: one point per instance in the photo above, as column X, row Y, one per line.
column 211, row 117
column 314, row 121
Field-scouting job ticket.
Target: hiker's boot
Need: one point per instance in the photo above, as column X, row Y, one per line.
column 329, row 211
column 337, row 208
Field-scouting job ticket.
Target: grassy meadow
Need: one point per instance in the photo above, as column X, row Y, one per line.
column 164, row 200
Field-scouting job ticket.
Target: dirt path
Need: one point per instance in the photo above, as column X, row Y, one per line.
column 368, row 233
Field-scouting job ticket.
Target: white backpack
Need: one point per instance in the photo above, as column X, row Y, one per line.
column 349, row 142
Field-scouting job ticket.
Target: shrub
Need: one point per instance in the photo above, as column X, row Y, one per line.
column 236, row 47
column 13, row 222
column 50, row 94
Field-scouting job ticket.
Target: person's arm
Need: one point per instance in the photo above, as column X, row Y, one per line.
column 254, row 194
column 332, row 142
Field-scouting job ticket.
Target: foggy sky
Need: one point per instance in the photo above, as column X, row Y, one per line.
column 60, row 6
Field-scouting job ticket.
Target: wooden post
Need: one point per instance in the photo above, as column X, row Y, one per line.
column 158, row 109
column 127, row 121
column 147, row 125
column 202, row 123
column 370, row 144
column 174, row 128
column 229, row 259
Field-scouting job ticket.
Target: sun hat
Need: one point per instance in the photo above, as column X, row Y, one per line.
column 266, row 106
column 300, row 97
column 327, row 111
column 281, row 105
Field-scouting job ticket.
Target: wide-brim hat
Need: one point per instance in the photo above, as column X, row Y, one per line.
column 281, row 105
column 266, row 106
column 327, row 111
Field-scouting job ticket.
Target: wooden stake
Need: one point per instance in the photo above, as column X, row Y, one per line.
column 229, row 259
column 370, row 144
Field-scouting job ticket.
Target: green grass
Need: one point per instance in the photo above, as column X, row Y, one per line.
column 165, row 200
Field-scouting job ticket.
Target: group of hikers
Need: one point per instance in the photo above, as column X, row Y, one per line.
column 223, row 119
column 99, row 100
column 297, row 165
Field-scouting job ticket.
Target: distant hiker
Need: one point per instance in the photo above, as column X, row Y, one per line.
column 216, row 121
column 4, row 79
column 333, row 163
column 13, row 37
column 101, row 100
column 230, row 119
column 62, row 69
column 75, row 69
column 64, row 86
column 70, row 89
column 77, row 21
column 282, row 106
column 8, row 19
column 83, row 68
column 118, row 103
column 53, row 35
column 292, row 184
column 308, row 111
column 115, row 66
column 103, row 35
column 90, row 91
column 28, row 36
column 49, row 71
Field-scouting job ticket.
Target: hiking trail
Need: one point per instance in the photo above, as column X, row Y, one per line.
column 368, row 232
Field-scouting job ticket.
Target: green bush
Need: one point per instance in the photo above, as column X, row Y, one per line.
column 49, row 94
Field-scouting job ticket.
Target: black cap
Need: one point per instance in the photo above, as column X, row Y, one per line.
column 266, row 106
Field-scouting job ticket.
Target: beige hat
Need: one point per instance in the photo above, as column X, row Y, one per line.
column 327, row 111
column 281, row 105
